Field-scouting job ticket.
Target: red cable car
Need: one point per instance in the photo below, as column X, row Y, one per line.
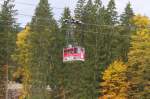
column 71, row 53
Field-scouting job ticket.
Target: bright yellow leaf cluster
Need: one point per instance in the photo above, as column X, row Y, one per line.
column 115, row 81
column 22, row 57
column 141, row 21
column 22, row 36
column 139, row 60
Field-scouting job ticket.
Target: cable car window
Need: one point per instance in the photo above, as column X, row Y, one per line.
column 65, row 51
column 75, row 50
column 79, row 50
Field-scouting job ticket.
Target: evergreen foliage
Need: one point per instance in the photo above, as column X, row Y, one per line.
column 42, row 37
column 111, row 14
column 8, row 29
column 126, row 31
column 60, row 72
column 127, row 15
column 79, row 9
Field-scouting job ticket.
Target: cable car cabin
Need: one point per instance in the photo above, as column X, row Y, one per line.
column 73, row 54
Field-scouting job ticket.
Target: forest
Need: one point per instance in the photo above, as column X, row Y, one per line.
column 117, row 52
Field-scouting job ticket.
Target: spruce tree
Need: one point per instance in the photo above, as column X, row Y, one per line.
column 8, row 28
column 80, row 14
column 60, row 71
column 101, row 43
column 127, row 15
column 89, row 42
column 42, row 37
column 98, row 6
column 110, row 32
column 64, row 26
column 79, row 9
column 125, row 33
column 111, row 16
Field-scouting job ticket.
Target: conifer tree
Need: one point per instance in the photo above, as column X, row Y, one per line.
column 8, row 30
column 126, row 31
column 59, row 73
column 139, row 60
column 42, row 37
column 79, row 15
column 127, row 15
column 79, row 9
column 88, row 12
column 111, row 16
column 97, row 7
column 89, row 42
column 64, row 27
column 110, row 33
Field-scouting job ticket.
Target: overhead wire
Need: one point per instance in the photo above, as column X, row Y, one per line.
column 29, row 4
column 27, row 15
column 80, row 31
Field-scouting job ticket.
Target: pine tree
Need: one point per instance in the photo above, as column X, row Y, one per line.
column 59, row 74
column 97, row 6
column 79, row 9
column 110, row 33
column 115, row 82
column 64, row 27
column 8, row 30
column 127, row 15
column 101, row 37
column 111, row 15
column 89, row 42
column 88, row 12
column 99, row 51
column 107, row 34
column 126, row 31
column 139, row 59
column 42, row 38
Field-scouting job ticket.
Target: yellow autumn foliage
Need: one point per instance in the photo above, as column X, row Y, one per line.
column 139, row 60
column 22, row 57
column 141, row 21
column 25, row 73
column 115, row 81
column 22, row 36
